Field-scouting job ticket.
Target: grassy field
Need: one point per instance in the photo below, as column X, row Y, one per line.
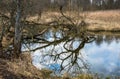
column 104, row 20
column 97, row 20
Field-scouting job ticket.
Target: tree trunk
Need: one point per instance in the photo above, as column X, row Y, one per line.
column 17, row 37
column 1, row 49
column 1, row 37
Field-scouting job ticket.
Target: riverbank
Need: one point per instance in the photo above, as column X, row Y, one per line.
column 21, row 68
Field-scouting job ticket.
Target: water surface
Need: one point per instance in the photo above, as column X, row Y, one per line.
column 102, row 55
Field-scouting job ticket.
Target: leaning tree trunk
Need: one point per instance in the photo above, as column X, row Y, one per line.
column 17, row 37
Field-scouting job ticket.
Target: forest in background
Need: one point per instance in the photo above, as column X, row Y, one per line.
column 39, row 5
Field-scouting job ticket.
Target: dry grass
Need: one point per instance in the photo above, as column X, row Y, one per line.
column 104, row 20
column 97, row 20
column 110, row 15
column 21, row 68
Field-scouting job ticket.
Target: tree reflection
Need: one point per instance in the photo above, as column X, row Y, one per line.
column 63, row 47
column 99, row 40
column 107, row 39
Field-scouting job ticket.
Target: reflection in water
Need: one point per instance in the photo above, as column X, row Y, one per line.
column 107, row 38
column 76, row 52
column 62, row 49
column 104, row 54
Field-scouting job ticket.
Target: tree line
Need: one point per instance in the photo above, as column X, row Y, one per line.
column 89, row 4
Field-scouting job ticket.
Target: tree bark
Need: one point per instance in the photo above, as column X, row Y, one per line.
column 1, row 50
column 17, row 37
column 1, row 37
